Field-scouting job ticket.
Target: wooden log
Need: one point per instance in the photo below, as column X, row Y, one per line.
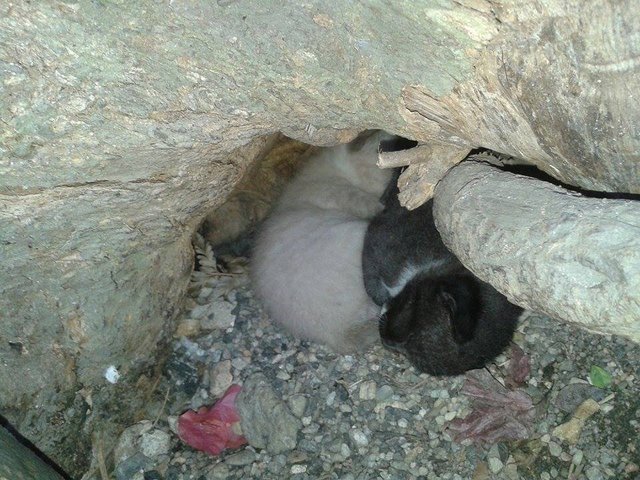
column 570, row 256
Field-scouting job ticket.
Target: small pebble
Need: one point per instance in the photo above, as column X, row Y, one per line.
column 571, row 396
column 218, row 472
column 384, row 393
column 245, row 457
column 155, row 443
column 220, row 378
column 345, row 363
column 205, row 292
column 297, row 469
column 367, row 390
column 127, row 469
column 631, row 468
column 345, row 451
column 449, row 416
column 555, row 449
column 359, row 437
column 594, row 473
column 511, row 471
column 298, row 404
column 240, row 363
column 219, row 316
column 495, row 464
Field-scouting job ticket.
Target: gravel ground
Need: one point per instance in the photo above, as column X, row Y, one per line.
column 372, row 416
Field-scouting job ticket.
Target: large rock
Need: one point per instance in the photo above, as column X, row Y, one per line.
column 266, row 420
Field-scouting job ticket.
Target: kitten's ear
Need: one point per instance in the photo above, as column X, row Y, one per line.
column 462, row 303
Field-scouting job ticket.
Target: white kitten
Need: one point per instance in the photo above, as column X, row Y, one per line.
column 307, row 266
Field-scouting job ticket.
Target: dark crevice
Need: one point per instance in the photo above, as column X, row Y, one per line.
column 32, row 447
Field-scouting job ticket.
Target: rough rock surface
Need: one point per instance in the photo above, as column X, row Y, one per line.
column 267, row 423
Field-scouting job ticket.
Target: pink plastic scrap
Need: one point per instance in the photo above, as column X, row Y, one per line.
column 213, row 429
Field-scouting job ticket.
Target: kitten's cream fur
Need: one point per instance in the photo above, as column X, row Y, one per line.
column 306, row 266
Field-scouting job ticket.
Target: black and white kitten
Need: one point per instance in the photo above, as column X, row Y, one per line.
column 307, row 261
column 435, row 311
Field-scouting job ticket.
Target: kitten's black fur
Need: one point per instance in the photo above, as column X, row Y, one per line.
column 436, row 312
column 399, row 243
